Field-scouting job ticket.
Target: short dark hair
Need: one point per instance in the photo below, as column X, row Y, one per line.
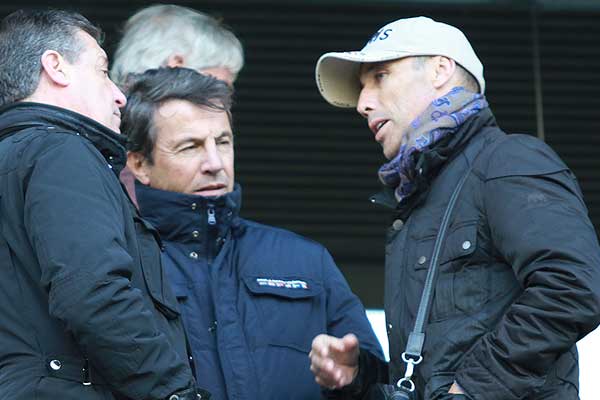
column 466, row 79
column 147, row 91
column 25, row 35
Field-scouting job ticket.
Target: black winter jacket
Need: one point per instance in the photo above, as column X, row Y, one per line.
column 80, row 273
column 519, row 279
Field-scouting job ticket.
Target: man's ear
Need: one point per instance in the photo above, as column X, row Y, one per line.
column 444, row 69
column 138, row 165
column 55, row 68
column 176, row 60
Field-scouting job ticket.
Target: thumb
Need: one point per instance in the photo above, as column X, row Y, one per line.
column 350, row 342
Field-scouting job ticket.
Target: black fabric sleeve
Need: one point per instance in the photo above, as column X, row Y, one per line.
column 539, row 226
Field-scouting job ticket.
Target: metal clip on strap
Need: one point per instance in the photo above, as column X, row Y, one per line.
column 407, row 382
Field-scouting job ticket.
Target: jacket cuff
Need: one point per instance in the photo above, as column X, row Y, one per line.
column 371, row 370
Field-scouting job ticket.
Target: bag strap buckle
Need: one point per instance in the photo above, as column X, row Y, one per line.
column 410, row 362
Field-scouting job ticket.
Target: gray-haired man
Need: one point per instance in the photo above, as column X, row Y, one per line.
column 518, row 282
column 169, row 35
column 84, row 310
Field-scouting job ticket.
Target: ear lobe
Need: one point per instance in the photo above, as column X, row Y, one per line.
column 444, row 71
column 55, row 67
column 138, row 165
column 176, row 60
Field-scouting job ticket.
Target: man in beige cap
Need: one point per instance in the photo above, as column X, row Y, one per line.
column 518, row 279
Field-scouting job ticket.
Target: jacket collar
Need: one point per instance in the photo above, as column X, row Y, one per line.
column 430, row 162
column 178, row 215
column 26, row 114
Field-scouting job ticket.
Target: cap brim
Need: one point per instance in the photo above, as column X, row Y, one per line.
column 337, row 74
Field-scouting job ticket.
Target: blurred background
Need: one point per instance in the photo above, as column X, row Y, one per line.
column 311, row 168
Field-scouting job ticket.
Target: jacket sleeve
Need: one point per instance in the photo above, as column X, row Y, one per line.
column 75, row 224
column 538, row 224
column 346, row 314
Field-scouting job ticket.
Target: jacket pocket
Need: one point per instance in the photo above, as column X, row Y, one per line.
column 461, row 285
column 461, row 241
column 289, row 309
column 154, row 275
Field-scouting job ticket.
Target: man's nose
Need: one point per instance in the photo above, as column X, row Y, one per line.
column 119, row 97
column 213, row 162
column 366, row 102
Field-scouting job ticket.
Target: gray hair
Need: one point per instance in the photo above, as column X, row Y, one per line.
column 24, row 37
column 151, row 89
column 155, row 33
column 465, row 78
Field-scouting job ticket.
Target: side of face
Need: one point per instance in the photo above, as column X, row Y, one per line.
column 193, row 152
column 92, row 92
column 393, row 94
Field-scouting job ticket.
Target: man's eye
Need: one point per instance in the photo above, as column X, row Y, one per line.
column 186, row 148
column 379, row 75
column 224, row 141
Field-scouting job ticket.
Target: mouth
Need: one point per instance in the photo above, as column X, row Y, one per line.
column 376, row 125
column 214, row 189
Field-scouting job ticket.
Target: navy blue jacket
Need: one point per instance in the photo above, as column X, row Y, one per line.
column 253, row 297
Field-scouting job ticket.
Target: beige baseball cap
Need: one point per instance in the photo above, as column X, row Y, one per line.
column 337, row 74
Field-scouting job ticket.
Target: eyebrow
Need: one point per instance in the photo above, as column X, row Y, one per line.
column 371, row 66
column 193, row 139
column 368, row 67
column 225, row 133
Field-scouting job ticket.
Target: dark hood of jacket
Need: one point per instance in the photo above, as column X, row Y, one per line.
column 25, row 114
column 430, row 162
column 176, row 215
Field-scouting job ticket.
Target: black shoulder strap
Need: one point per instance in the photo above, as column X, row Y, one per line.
column 412, row 354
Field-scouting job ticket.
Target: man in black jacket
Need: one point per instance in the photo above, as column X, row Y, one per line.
column 519, row 280
column 85, row 312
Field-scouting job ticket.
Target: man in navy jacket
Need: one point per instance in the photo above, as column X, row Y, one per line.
column 253, row 296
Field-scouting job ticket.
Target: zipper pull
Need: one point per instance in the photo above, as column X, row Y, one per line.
column 211, row 216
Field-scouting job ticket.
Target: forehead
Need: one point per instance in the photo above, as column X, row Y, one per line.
column 91, row 50
column 183, row 117
column 368, row 69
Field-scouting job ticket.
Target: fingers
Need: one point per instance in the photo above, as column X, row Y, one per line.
column 328, row 374
column 350, row 342
column 332, row 360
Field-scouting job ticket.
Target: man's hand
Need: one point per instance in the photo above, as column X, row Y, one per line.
column 334, row 361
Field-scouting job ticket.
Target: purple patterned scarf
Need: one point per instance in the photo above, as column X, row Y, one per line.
column 443, row 117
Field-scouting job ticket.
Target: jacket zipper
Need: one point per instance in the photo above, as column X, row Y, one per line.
column 212, row 220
